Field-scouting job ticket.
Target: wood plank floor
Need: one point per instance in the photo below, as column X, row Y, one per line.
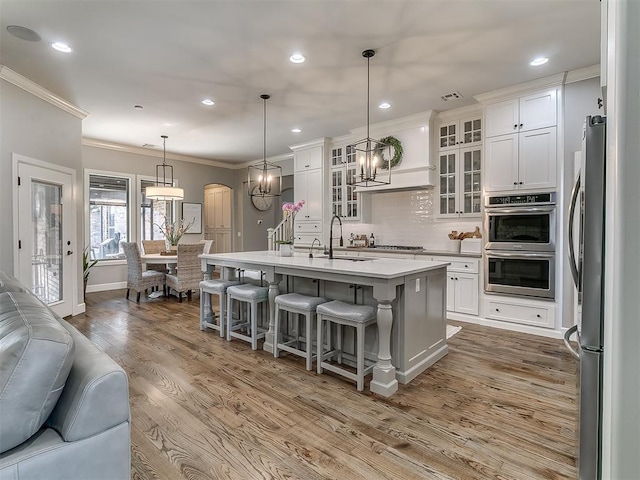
column 499, row 405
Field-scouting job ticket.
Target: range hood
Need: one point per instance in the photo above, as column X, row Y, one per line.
column 415, row 171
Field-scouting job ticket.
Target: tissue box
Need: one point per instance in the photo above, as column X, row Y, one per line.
column 471, row 245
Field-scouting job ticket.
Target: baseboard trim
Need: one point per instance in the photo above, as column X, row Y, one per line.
column 103, row 287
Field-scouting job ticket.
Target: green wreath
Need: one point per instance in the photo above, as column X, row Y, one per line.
column 397, row 152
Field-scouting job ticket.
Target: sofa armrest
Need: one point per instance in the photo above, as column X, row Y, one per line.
column 96, row 395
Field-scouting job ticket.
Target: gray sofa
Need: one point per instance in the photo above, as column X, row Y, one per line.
column 64, row 403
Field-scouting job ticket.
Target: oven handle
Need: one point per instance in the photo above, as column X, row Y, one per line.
column 575, row 272
column 502, row 254
column 520, row 210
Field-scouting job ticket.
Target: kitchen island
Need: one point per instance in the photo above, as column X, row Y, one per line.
column 410, row 296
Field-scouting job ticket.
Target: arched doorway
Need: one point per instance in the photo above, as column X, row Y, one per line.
column 218, row 217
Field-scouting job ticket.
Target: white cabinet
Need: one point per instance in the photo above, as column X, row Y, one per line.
column 463, row 132
column 530, row 112
column 463, row 284
column 459, row 184
column 308, row 185
column 523, row 311
column 345, row 201
column 521, row 161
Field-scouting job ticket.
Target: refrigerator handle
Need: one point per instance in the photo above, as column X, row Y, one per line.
column 567, row 335
column 572, row 254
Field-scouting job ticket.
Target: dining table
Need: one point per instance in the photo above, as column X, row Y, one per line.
column 171, row 261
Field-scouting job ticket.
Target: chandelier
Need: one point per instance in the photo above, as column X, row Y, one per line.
column 369, row 151
column 265, row 179
column 164, row 189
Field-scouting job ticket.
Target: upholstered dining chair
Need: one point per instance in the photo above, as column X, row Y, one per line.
column 188, row 271
column 137, row 279
column 208, row 246
column 155, row 246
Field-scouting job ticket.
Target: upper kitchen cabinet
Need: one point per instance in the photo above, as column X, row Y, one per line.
column 345, row 201
column 463, row 132
column 459, row 164
column 521, row 138
column 308, row 185
column 530, row 112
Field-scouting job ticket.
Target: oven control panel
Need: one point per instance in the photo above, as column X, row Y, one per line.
column 529, row 199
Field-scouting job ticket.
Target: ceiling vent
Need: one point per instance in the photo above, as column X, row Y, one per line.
column 451, row 96
column 149, row 145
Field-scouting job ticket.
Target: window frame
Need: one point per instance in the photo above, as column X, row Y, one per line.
column 131, row 228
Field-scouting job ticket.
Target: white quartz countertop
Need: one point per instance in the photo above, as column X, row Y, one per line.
column 373, row 267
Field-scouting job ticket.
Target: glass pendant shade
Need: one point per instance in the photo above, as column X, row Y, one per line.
column 370, row 153
column 164, row 189
column 265, row 178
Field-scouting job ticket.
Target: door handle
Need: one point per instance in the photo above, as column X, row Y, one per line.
column 567, row 335
column 575, row 272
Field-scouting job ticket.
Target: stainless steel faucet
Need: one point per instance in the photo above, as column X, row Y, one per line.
column 331, row 235
column 311, row 248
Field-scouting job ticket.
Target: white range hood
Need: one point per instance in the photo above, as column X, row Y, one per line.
column 415, row 171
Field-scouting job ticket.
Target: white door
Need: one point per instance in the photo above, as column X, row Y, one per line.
column 46, row 236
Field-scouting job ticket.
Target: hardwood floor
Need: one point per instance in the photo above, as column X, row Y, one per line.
column 499, row 405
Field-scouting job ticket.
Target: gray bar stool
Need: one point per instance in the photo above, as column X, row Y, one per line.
column 219, row 288
column 253, row 296
column 300, row 305
column 344, row 314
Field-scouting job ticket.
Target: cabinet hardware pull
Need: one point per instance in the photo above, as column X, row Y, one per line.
column 515, row 183
column 520, row 183
column 538, row 315
column 497, row 309
column 521, row 125
column 515, row 126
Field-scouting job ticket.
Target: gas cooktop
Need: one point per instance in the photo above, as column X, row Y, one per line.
column 397, row 247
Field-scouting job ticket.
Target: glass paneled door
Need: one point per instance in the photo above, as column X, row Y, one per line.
column 46, row 243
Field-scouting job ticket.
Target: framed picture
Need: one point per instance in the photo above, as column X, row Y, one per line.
column 192, row 212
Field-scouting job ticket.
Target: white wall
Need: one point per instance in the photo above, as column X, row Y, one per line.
column 34, row 128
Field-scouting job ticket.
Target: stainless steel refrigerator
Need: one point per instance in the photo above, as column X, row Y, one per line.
column 587, row 266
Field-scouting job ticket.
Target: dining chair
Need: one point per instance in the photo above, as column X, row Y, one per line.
column 188, row 271
column 208, row 246
column 155, row 246
column 137, row 279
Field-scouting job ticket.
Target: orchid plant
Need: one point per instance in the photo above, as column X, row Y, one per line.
column 289, row 211
column 173, row 232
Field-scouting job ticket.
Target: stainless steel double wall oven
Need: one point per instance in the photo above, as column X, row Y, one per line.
column 520, row 247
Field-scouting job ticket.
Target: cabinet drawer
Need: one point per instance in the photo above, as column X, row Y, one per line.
column 539, row 316
column 306, row 239
column 457, row 264
column 308, row 227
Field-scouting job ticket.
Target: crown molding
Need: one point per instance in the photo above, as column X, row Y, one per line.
column 552, row 81
column 423, row 119
column 278, row 158
column 585, row 73
column 34, row 89
column 460, row 112
column 313, row 143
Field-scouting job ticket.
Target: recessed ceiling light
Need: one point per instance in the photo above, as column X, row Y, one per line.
column 297, row 58
column 208, row 102
column 539, row 61
column 384, row 105
column 296, row 130
column 23, row 33
column 61, row 47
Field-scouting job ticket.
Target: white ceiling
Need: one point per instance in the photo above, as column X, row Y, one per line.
column 169, row 55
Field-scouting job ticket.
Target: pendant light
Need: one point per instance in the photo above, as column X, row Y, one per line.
column 265, row 179
column 369, row 152
column 164, row 189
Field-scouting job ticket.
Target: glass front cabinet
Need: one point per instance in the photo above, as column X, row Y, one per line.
column 459, row 184
column 345, row 202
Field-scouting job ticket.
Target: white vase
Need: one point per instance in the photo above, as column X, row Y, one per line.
column 286, row 250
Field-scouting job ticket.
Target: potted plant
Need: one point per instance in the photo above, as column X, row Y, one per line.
column 289, row 211
column 173, row 232
column 87, row 265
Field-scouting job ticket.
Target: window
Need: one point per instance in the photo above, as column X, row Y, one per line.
column 153, row 213
column 108, row 215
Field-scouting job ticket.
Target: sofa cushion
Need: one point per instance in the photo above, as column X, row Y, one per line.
column 36, row 354
column 10, row 284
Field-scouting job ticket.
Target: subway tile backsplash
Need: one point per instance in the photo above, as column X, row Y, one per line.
column 408, row 218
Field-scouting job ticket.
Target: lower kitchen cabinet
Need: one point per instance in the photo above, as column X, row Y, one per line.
column 462, row 292
column 537, row 313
